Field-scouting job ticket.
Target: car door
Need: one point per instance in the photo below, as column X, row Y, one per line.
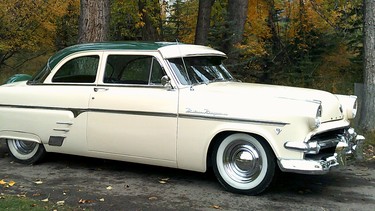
column 64, row 98
column 132, row 116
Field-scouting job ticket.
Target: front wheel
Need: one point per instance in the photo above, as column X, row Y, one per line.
column 243, row 164
column 26, row 152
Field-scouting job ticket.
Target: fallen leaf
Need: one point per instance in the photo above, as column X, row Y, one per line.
column 2, row 182
column 60, row 203
column 11, row 183
column 84, row 201
column 44, row 200
column 109, row 188
column 38, row 182
column 152, row 198
column 216, row 207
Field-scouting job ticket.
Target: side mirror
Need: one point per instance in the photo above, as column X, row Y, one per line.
column 166, row 82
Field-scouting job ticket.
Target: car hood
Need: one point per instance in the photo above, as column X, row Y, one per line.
column 258, row 101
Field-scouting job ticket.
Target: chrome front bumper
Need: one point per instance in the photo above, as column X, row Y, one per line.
column 347, row 144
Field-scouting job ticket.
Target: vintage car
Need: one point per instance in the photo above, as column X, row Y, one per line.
column 174, row 105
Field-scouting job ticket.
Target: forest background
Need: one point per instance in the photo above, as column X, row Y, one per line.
column 306, row 43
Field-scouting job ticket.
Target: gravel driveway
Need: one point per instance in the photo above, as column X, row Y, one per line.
column 109, row 185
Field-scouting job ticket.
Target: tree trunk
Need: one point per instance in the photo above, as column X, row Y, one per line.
column 94, row 21
column 203, row 22
column 368, row 109
column 150, row 11
column 237, row 15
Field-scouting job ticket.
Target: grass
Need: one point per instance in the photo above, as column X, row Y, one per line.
column 9, row 202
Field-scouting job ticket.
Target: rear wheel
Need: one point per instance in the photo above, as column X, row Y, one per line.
column 26, row 152
column 243, row 164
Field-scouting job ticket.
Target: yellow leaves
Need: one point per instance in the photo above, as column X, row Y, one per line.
column 11, row 183
column 29, row 24
column 217, row 207
column 7, row 184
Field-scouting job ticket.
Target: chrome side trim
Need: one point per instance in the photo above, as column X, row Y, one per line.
column 77, row 111
column 137, row 113
column 217, row 118
column 61, row 129
column 64, row 123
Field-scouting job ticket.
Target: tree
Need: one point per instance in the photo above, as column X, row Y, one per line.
column 28, row 26
column 94, row 21
column 368, row 109
column 67, row 26
column 203, row 22
column 151, row 19
column 237, row 15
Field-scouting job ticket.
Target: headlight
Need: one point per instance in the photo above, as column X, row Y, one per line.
column 315, row 122
column 348, row 105
column 351, row 109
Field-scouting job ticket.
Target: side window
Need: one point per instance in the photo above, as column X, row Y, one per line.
column 78, row 70
column 133, row 69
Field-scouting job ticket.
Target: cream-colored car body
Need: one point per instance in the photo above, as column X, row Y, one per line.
column 172, row 125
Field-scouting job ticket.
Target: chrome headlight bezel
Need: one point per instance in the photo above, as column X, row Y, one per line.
column 349, row 106
column 353, row 112
column 316, row 122
column 352, row 107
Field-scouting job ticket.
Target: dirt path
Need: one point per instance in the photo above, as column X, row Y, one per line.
column 108, row 185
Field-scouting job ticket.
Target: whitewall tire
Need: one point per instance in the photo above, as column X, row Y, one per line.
column 243, row 163
column 26, row 152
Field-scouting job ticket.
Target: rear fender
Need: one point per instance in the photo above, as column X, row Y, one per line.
column 20, row 136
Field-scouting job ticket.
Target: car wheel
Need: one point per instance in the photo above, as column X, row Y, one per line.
column 26, row 152
column 243, row 164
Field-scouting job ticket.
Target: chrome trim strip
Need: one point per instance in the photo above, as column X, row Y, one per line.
column 136, row 113
column 61, row 129
column 202, row 117
column 77, row 111
column 64, row 123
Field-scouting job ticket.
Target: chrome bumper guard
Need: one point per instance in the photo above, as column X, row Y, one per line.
column 349, row 143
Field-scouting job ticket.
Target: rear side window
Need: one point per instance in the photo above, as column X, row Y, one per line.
column 133, row 69
column 78, row 70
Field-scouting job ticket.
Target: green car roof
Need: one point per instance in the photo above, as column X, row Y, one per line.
column 131, row 45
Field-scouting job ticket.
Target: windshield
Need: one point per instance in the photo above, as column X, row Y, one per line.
column 200, row 69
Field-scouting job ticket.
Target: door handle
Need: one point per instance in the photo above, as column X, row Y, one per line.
column 99, row 89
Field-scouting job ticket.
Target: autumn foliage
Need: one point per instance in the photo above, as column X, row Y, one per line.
column 310, row 43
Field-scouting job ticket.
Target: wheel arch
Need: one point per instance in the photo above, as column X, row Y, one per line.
column 18, row 135
column 221, row 135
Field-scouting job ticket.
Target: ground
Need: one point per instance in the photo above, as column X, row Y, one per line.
column 96, row 184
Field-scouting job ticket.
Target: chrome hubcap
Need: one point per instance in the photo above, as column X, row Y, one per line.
column 242, row 161
column 24, row 147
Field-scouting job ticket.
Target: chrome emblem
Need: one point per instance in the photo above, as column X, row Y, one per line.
column 278, row 131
